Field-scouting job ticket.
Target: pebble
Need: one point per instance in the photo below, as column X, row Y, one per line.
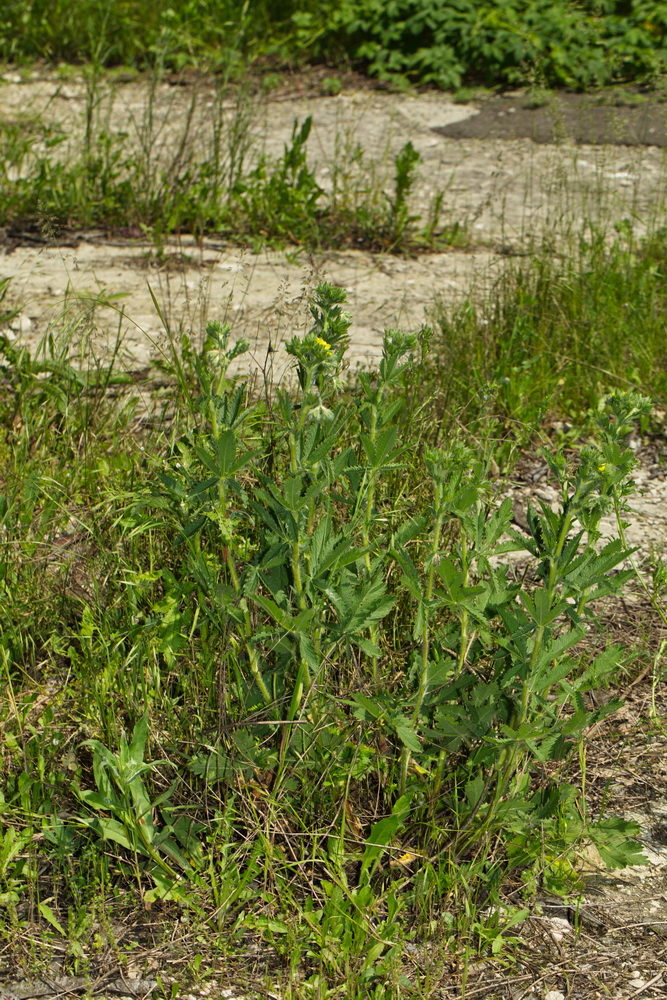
column 20, row 324
column 559, row 927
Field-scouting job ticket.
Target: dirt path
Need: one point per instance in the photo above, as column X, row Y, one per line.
column 504, row 191
column 263, row 296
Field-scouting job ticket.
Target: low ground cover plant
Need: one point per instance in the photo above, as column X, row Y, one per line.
column 499, row 42
column 504, row 42
column 140, row 34
column 295, row 688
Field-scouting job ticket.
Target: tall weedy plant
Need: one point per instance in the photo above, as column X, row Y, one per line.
column 302, row 574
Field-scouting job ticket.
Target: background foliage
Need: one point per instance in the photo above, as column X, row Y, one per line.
column 444, row 42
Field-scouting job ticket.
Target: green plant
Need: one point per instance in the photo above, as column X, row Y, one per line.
column 370, row 714
column 12, row 846
column 332, row 86
column 173, row 850
column 283, row 202
column 494, row 691
column 140, row 178
column 385, row 219
column 399, row 218
column 499, row 41
column 502, row 41
column 147, row 33
column 552, row 338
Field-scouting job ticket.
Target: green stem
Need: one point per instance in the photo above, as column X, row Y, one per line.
column 508, row 759
column 366, row 532
column 251, row 652
column 426, row 641
column 463, row 649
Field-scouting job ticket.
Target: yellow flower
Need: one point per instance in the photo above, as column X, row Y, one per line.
column 601, row 468
column 323, row 343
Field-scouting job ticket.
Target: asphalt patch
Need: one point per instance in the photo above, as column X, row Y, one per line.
column 579, row 118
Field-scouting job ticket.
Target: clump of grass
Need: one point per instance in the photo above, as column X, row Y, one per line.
column 220, row 184
column 553, row 335
column 299, row 692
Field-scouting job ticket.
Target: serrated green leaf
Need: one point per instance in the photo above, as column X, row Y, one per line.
column 282, row 617
column 367, row 647
column 226, row 453
column 371, row 707
column 407, row 736
column 617, row 841
column 308, row 653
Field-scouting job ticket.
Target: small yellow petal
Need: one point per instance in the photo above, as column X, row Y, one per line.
column 405, row 859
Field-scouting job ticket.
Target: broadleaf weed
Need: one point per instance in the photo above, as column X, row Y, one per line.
column 368, row 709
column 494, row 668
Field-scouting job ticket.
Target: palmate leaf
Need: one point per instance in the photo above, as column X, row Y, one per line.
column 321, row 450
column 617, row 840
column 292, row 495
column 296, row 624
column 379, row 451
column 473, row 599
column 231, row 410
column 359, row 607
column 597, row 565
column 488, row 527
column 552, row 747
column 275, row 515
column 553, row 649
column 571, row 558
column 329, row 550
column 604, row 666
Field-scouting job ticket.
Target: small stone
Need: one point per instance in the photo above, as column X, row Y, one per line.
column 554, row 995
column 559, row 927
column 20, row 323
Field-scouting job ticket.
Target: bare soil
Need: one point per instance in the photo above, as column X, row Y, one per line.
column 505, row 192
